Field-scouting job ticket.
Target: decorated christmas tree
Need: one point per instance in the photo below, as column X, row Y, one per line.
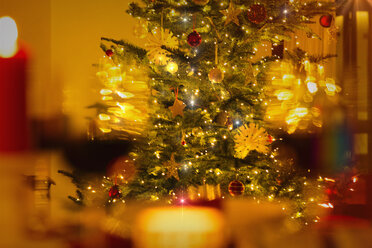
column 193, row 99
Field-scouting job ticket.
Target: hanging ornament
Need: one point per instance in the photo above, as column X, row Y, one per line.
column 231, row 14
column 236, row 188
column 326, row 20
column 155, row 41
column 256, row 13
column 140, row 29
column 270, row 139
column 200, row 2
column 178, row 106
column 216, row 75
column 224, row 119
column 183, row 142
column 194, row 39
column 250, row 138
column 172, row 168
column 109, row 52
column 115, row 192
column 172, row 67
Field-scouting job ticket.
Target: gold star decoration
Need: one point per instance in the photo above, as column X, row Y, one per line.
column 177, row 108
column 172, row 168
column 231, row 14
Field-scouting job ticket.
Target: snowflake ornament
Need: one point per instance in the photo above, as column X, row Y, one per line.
column 155, row 40
column 251, row 138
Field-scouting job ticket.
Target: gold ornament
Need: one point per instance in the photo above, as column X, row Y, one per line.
column 216, row 75
column 172, row 67
column 172, row 168
column 231, row 14
column 177, row 108
column 236, row 188
column 155, row 40
column 250, row 138
column 200, row 2
column 140, row 29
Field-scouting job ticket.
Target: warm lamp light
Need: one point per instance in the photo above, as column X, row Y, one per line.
column 181, row 227
column 8, row 37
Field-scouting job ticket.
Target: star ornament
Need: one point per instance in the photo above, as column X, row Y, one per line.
column 177, row 108
column 231, row 14
column 172, row 168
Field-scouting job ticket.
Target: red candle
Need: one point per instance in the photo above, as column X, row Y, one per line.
column 14, row 134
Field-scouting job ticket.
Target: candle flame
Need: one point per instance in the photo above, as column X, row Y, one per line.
column 8, row 37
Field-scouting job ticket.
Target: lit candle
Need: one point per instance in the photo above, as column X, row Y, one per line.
column 181, row 227
column 13, row 63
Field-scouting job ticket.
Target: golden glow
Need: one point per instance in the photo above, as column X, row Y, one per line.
column 326, row 205
column 284, row 95
column 179, row 227
column 104, row 117
column 105, row 92
column 300, row 112
column 172, row 67
column 105, row 130
column 125, row 94
column 8, row 37
column 312, row 87
column 114, row 76
column 329, row 180
column 291, row 102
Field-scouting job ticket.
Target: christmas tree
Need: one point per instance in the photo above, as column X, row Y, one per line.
column 199, row 126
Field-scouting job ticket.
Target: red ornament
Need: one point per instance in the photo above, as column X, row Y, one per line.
column 109, row 52
column 183, row 142
column 115, row 192
column 256, row 13
column 236, row 188
column 326, row 20
column 270, row 138
column 194, row 39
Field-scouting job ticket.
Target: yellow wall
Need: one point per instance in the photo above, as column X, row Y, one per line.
column 33, row 20
column 64, row 36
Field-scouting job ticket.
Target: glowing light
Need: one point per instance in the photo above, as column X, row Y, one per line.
column 124, row 94
column 354, row 179
column 105, row 130
column 312, row 87
column 114, row 74
column 8, row 37
column 326, row 205
column 300, row 112
column 104, row 117
column 329, row 180
column 105, row 92
column 284, row 95
column 179, row 227
column 172, row 67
